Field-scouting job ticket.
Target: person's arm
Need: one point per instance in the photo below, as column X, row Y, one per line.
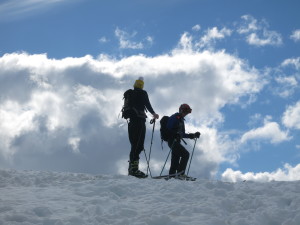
column 149, row 107
column 183, row 134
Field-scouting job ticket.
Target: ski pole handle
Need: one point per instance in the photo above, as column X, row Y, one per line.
column 152, row 121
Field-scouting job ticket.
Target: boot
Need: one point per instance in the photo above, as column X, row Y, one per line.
column 133, row 170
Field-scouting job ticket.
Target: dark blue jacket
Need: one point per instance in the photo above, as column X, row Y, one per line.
column 176, row 126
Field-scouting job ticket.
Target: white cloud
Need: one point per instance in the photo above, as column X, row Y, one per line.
column 268, row 38
column 250, row 24
column 103, row 40
column 14, row 120
column 126, row 40
column 149, row 40
column 186, row 43
column 74, row 142
column 288, row 173
column 295, row 35
column 212, row 35
column 291, row 117
column 286, row 77
column 292, row 61
column 58, row 107
column 269, row 132
column 197, row 27
column 216, row 148
column 257, row 33
column 287, row 86
column 255, row 119
column 291, row 81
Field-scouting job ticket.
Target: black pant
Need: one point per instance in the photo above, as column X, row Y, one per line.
column 179, row 157
column 136, row 133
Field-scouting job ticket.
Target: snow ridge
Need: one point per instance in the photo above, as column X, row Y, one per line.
column 52, row 198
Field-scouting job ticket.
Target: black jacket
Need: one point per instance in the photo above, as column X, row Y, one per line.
column 140, row 103
column 142, row 100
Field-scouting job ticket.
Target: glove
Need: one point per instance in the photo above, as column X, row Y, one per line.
column 197, row 134
column 155, row 116
column 191, row 136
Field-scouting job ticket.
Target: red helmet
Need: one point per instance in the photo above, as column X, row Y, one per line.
column 185, row 108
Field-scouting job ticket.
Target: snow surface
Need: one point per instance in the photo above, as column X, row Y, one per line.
column 52, row 198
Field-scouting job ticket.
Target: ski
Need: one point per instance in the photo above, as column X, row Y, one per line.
column 168, row 176
column 175, row 176
column 187, row 178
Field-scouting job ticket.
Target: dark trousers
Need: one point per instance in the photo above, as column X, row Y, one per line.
column 179, row 157
column 136, row 133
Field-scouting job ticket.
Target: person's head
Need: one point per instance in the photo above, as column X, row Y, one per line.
column 139, row 83
column 185, row 109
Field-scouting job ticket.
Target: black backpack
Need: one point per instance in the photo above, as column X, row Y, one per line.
column 164, row 133
column 127, row 110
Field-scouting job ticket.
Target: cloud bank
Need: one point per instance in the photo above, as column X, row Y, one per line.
column 287, row 173
column 63, row 114
column 270, row 132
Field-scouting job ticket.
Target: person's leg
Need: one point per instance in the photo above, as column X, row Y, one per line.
column 133, row 134
column 184, row 154
column 136, row 131
column 141, row 139
column 175, row 156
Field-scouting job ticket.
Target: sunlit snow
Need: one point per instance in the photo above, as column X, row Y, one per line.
column 52, row 198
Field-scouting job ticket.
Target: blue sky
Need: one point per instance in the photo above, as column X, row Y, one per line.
column 65, row 64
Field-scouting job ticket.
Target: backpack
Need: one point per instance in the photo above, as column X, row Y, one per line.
column 127, row 110
column 164, row 133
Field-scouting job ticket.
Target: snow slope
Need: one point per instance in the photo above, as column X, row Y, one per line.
column 50, row 198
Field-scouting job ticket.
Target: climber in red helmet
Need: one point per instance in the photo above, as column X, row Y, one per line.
column 176, row 128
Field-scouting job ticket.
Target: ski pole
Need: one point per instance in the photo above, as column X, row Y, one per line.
column 167, row 158
column 165, row 162
column 183, row 141
column 191, row 157
column 151, row 122
column 147, row 163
